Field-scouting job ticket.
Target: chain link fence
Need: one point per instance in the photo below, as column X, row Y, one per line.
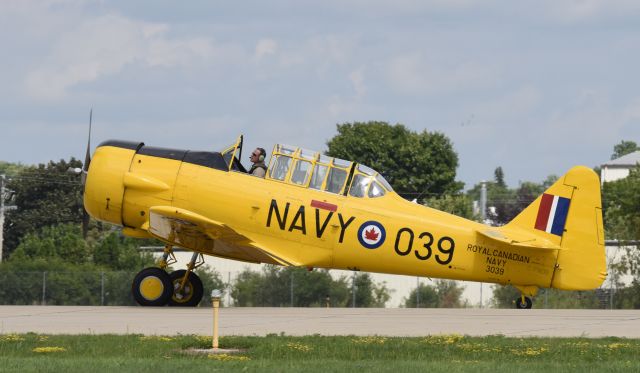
column 298, row 288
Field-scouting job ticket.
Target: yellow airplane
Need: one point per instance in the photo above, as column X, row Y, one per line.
column 321, row 212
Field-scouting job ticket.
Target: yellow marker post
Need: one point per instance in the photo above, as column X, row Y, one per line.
column 215, row 301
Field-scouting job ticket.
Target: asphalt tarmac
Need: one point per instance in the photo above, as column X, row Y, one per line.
column 323, row 321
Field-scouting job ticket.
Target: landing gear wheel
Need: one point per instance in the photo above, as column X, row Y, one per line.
column 152, row 287
column 191, row 293
column 524, row 303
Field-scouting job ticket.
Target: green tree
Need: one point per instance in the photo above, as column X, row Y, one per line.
column 505, row 296
column 70, row 269
column 211, row 279
column 449, row 294
column 115, row 251
column 508, row 203
column 443, row 294
column 427, row 294
column 44, row 195
column 621, row 205
column 368, row 293
column 9, row 169
column 460, row 205
column 274, row 286
column 62, row 241
column 415, row 164
column 624, row 148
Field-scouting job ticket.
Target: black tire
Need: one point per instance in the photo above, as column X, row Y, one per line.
column 528, row 303
column 152, row 287
column 191, row 294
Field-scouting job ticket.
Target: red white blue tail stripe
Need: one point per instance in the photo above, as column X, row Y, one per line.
column 552, row 214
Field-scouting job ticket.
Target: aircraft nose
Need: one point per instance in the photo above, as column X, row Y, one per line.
column 104, row 187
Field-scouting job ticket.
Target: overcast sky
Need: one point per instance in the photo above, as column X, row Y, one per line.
column 533, row 86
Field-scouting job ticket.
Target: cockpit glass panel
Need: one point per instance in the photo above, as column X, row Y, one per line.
column 300, row 173
column 324, row 159
column 286, row 149
column 279, row 167
column 375, row 190
column 359, row 185
column 384, row 182
column 319, row 172
column 335, row 180
column 366, row 170
column 308, row 154
column 342, row 163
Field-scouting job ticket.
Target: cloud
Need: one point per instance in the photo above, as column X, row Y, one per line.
column 104, row 46
column 357, row 79
column 413, row 74
column 265, row 47
column 589, row 10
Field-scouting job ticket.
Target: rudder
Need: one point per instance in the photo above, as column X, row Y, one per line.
column 569, row 214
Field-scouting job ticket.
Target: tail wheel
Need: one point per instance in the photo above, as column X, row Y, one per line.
column 191, row 294
column 524, row 303
column 152, row 287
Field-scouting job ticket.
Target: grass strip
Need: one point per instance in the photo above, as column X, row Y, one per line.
column 276, row 353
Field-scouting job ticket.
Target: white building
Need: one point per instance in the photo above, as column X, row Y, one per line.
column 619, row 168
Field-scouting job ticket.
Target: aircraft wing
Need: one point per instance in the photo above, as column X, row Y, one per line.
column 195, row 232
column 520, row 238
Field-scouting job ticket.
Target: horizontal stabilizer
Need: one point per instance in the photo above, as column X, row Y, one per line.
column 517, row 238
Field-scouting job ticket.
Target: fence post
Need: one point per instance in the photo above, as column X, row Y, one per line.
column 291, row 287
column 229, row 289
column 353, row 290
column 44, row 287
column 102, row 288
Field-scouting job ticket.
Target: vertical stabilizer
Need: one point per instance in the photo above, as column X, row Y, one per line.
column 569, row 214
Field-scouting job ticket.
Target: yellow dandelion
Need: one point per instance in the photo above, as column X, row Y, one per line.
column 226, row 357
column 49, row 349
column 369, row 340
column 529, row 351
column 11, row 338
column 617, row 345
column 156, row 338
column 299, row 347
column 203, row 338
column 42, row 338
column 446, row 339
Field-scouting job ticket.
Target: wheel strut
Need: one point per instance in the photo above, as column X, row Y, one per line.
column 168, row 258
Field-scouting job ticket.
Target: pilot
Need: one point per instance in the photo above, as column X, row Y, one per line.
column 257, row 158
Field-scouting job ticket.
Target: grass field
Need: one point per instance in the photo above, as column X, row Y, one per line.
column 276, row 353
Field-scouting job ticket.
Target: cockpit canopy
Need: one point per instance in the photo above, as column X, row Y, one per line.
column 311, row 169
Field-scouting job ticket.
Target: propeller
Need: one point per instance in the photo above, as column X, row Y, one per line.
column 87, row 158
column 85, row 170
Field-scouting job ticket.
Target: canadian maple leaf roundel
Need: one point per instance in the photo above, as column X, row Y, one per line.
column 371, row 234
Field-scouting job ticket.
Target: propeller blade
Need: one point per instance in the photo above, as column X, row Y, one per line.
column 87, row 158
column 85, row 169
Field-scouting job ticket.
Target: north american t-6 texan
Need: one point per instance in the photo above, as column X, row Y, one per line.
column 316, row 211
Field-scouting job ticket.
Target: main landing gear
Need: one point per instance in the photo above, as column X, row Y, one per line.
column 524, row 301
column 154, row 287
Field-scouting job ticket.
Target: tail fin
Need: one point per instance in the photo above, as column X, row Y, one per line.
column 569, row 214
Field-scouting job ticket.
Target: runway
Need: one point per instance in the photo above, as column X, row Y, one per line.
column 306, row 321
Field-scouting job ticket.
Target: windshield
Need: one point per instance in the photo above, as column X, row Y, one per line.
column 232, row 154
